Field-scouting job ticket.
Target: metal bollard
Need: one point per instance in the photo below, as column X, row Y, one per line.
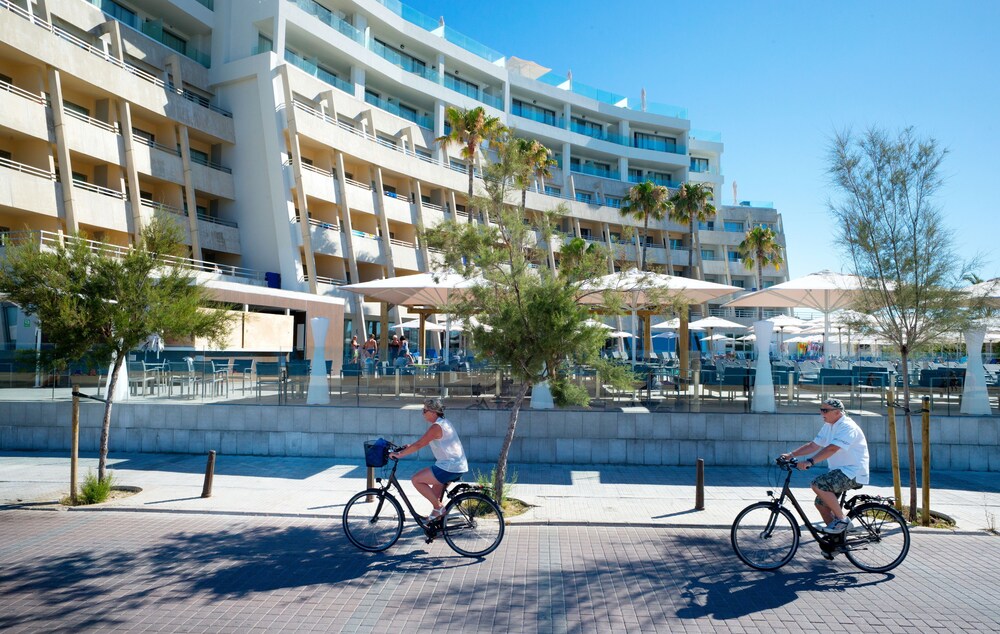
column 699, row 486
column 206, row 490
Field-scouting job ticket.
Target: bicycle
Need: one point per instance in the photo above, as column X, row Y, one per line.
column 472, row 524
column 765, row 535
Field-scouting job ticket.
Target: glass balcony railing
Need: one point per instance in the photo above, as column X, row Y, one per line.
column 596, row 171
column 405, row 62
column 541, row 117
column 471, row 45
column 324, row 75
column 410, row 14
column 659, row 145
column 330, row 19
column 762, row 204
column 667, row 110
column 382, row 104
column 463, row 88
column 633, row 178
column 706, row 135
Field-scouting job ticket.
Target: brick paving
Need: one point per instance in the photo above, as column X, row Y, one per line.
column 179, row 572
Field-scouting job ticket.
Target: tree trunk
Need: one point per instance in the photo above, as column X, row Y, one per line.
column 691, row 250
column 468, row 204
column 760, row 287
column 102, row 462
column 910, row 454
column 524, row 200
column 500, row 476
column 645, row 239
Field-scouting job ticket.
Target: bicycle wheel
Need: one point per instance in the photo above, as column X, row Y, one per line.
column 473, row 525
column 376, row 525
column 879, row 540
column 765, row 536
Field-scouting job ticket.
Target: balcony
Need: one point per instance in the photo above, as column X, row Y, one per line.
column 326, row 239
column 153, row 29
column 29, row 188
column 319, row 183
column 421, row 120
column 321, row 74
column 91, row 136
column 100, row 206
column 518, row 111
column 359, row 196
column 398, row 208
column 600, row 172
column 330, row 19
column 632, row 178
column 17, row 113
column 367, row 247
column 452, row 83
column 407, row 63
column 405, row 255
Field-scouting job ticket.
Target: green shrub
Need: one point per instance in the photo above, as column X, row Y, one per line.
column 93, row 491
column 486, row 481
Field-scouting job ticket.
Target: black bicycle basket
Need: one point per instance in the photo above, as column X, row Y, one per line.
column 377, row 452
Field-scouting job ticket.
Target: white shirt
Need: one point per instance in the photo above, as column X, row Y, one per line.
column 852, row 457
column 448, row 450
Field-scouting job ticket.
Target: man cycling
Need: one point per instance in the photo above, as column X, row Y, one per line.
column 842, row 444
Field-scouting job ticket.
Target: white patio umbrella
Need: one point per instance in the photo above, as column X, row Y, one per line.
column 711, row 323
column 597, row 324
column 825, row 291
column 428, row 290
column 620, row 334
column 781, row 322
column 415, row 323
column 639, row 289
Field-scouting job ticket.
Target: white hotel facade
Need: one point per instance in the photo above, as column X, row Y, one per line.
column 296, row 137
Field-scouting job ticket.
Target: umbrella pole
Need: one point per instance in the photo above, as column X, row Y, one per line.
column 647, row 336
column 826, row 337
column 423, row 337
column 683, row 343
column 635, row 327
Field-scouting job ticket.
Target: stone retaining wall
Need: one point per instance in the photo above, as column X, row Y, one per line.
column 565, row 437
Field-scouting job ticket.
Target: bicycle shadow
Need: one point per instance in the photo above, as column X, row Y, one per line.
column 732, row 595
column 115, row 577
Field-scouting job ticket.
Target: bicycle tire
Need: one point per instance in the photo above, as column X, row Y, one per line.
column 473, row 525
column 879, row 540
column 765, row 536
column 373, row 526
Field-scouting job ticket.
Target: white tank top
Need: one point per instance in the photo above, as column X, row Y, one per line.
column 448, row 450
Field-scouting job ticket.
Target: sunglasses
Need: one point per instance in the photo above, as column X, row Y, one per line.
column 827, row 409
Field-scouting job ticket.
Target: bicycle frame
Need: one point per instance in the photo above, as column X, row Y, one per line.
column 430, row 528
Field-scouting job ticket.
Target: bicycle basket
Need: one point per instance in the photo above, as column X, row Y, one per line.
column 377, row 452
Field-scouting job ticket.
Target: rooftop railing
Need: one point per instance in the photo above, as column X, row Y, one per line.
column 705, row 135
column 763, row 204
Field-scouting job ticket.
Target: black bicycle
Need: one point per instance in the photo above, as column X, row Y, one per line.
column 765, row 535
column 472, row 523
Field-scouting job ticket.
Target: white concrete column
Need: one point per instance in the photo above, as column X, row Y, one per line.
column 192, row 205
column 62, row 151
column 763, row 392
column 975, row 399
column 567, row 153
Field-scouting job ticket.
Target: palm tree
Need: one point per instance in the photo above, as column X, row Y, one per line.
column 692, row 203
column 470, row 129
column 537, row 159
column 646, row 200
column 759, row 249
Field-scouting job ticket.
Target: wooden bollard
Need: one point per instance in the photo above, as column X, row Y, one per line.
column 74, row 452
column 206, row 490
column 925, row 463
column 699, row 486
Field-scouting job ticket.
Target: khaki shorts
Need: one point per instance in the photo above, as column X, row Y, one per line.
column 835, row 481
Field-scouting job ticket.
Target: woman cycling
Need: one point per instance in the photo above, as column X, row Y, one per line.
column 448, row 452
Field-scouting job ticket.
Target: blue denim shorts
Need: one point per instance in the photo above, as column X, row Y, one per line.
column 444, row 477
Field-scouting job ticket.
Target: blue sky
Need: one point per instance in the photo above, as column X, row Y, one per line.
column 777, row 79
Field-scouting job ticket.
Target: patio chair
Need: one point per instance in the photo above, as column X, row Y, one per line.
column 270, row 373
column 297, row 376
column 182, row 375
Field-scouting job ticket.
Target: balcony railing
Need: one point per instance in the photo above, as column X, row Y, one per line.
column 332, row 281
column 541, row 117
column 155, row 206
column 97, row 123
column 330, row 19
column 596, row 171
column 26, row 169
column 322, row 225
column 313, row 69
column 11, row 88
column 403, row 61
column 159, row 146
column 50, row 239
column 97, row 189
column 215, row 220
column 654, row 179
column 207, row 163
column 763, row 204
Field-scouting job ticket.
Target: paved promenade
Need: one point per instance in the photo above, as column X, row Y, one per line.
column 606, row 549
column 560, row 494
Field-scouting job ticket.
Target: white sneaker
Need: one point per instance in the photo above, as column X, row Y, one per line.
column 436, row 514
column 838, row 526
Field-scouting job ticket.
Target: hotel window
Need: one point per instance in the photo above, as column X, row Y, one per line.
column 4, row 79
column 616, row 237
column 175, row 41
column 699, row 164
column 457, row 165
column 120, row 13
column 147, row 138
column 634, row 175
column 69, row 105
column 585, row 233
column 676, row 244
column 734, row 227
column 707, row 254
column 264, row 43
column 408, row 113
column 531, row 111
column 553, row 191
column 589, row 128
column 199, row 157
column 422, row 153
column 4, row 154
column 584, row 197
column 739, row 283
column 611, row 201
column 648, row 141
column 80, row 177
column 734, row 256
column 462, row 86
column 661, row 178
column 706, row 226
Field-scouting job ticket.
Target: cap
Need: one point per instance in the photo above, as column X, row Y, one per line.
column 835, row 403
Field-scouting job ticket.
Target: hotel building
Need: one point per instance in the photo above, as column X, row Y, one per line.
column 294, row 140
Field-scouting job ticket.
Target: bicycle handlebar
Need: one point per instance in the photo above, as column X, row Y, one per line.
column 786, row 464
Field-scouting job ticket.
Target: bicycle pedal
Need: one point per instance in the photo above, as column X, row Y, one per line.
column 828, row 556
